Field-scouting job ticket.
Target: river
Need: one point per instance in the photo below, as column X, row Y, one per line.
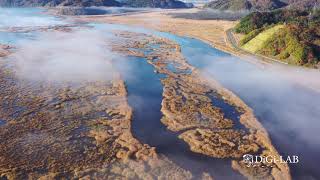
column 288, row 111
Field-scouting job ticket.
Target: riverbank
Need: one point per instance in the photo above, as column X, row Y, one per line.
column 210, row 119
column 58, row 127
column 280, row 95
column 213, row 32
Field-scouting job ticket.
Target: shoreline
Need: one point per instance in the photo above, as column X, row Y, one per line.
column 212, row 32
column 99, row 120
column 125, row 140
column 178, row 113
column 217, row 40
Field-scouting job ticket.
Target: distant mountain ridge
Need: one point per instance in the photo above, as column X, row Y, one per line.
column 261, row 5
column 157, row 3
column 88, row 3
column 303, row 4
column 51, row 3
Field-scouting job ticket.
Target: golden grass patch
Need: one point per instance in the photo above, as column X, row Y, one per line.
column 257, row 43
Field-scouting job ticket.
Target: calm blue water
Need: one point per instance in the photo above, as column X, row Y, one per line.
column 2, row 122
column 290, row 113
column 229, row 111
column 145, row 97
column 26, row 17
column 23, row 17
column 13, row 38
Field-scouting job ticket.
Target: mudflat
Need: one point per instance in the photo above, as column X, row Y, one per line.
column 83, row 129
column 190, row 107
column 211, row 31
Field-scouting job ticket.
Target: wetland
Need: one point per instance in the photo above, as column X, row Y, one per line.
column 86, row 99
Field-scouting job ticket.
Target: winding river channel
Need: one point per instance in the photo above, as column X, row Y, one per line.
column 289, row 112
column 147, row 127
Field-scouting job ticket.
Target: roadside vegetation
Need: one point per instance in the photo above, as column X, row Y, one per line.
column 292, row 36
column 256, row 40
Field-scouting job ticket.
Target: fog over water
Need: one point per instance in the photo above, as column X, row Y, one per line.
column 56, row 56
column 81, row 55
column 293, row 107
column 22, row 17
column 280, row 96
column 289, row 111
column 100, row 10
column 270, row 90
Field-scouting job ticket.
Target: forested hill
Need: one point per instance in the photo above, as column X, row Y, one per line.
column 292, row 36
column 261, row 5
